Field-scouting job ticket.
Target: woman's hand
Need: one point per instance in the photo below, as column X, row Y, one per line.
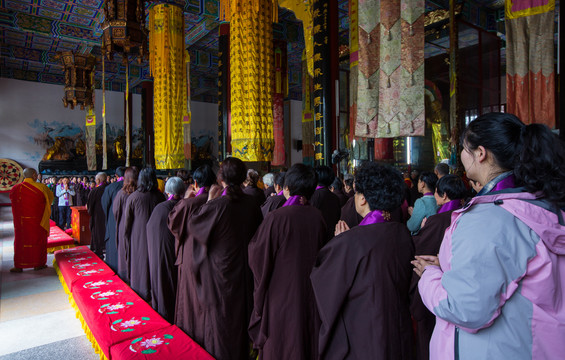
column 340, row 227
column 215, row 191
column 421, row 261
column 410, row 210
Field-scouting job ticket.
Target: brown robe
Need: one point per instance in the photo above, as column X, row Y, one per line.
column 328, row 203
column 284, row 322
column 220, row 232
column 361, row 282
column 349, row 214
column 97, row 220
column 270, row 190
column 162, row 269
column 256, row 193
column 185, row 303
column 426, row 242
column 139, row 207
column 341, row 196
column 118, row 207
column 272, row 203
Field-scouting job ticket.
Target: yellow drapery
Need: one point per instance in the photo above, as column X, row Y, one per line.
column 303, row 11
column 251, row 71
column 167, row 65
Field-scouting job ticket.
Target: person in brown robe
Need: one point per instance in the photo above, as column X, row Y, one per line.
column 348, row 185
column 252, row 189
column 362, row 276
column 337, row 188
column 325, row 200
column 284, row 322
column 277, row 200
column 110, row 193
column 97, row 216
column 138, row 209
column 269, row 182
column 427, row 242
column 161, row 252
column 118, row 207
column 220, row 232
column 185, row 302
column 349, row 214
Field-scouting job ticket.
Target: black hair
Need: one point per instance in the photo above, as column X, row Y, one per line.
column 381, row 185
column 279, row 179
column 337, row 184
column 147, row 180
column 348, row 182
column 120, row 170
column 301, row 180
column 204, row 176
column 428, row 178
column 184, row 175
column 453, row 186
column 442, row 169
column 233, row 172
column 325, row 175
column 533, row 152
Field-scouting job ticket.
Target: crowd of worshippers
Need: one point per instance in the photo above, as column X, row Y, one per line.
column 301, row 264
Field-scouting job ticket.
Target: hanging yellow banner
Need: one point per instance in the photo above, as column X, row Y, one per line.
column 167, row 65
column 514, row 9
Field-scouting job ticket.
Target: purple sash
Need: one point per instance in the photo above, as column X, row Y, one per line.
column 429, row 194
column 203, row 190
column 319, row 187
column 295, row 200
column 506, row 183
column 171, row 197
column 225, row 191
column 451, row 205
column 280, row 193
column 374, row 217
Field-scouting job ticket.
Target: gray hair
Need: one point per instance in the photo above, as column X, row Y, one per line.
column 269, row 179
column 29, row 172
column 102, row 176
column 175, row 186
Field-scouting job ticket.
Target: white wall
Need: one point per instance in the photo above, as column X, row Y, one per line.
column 30, row 109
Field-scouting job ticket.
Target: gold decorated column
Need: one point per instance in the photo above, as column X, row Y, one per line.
column 251, row 65
column 167, row 65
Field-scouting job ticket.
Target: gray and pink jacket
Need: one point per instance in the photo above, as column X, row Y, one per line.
column 500, row 290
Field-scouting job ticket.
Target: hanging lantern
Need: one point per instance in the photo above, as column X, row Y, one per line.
column 79, row 71
column 124, row 29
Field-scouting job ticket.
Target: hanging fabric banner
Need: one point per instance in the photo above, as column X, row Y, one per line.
column 307, row 116
column 390, row 75
column 127, row 120
column 278, row 106
column 167, row 65
column 530, row 74
column 303, row 11
column 187, row 118
column 251, row 64
column 90, row 130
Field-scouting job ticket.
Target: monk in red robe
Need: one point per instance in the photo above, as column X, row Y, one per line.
column 31, row 206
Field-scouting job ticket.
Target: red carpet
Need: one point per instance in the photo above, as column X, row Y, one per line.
column 118, row 323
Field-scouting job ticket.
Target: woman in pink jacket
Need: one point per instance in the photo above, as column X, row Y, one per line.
column 497, row 287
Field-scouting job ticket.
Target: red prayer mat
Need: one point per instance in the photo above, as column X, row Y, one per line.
column 167, row 343
column 58, row 239
column 114, row 313
column 80, row 263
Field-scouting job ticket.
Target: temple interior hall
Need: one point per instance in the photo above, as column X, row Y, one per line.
column 87, row 86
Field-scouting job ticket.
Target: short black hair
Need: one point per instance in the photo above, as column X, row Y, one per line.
column 381, row 185
column 428, row 178
column 279, row 178
column 453, row 186
column 325, row 175
column 442, row 169
column 147, row 180
column 301, row 180
column 120, row 170
column 337, row 184
column 204, row 176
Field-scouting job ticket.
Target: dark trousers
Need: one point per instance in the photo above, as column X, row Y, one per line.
column 64, row 217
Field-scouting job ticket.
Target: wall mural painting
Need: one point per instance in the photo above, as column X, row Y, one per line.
column 65, row 146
